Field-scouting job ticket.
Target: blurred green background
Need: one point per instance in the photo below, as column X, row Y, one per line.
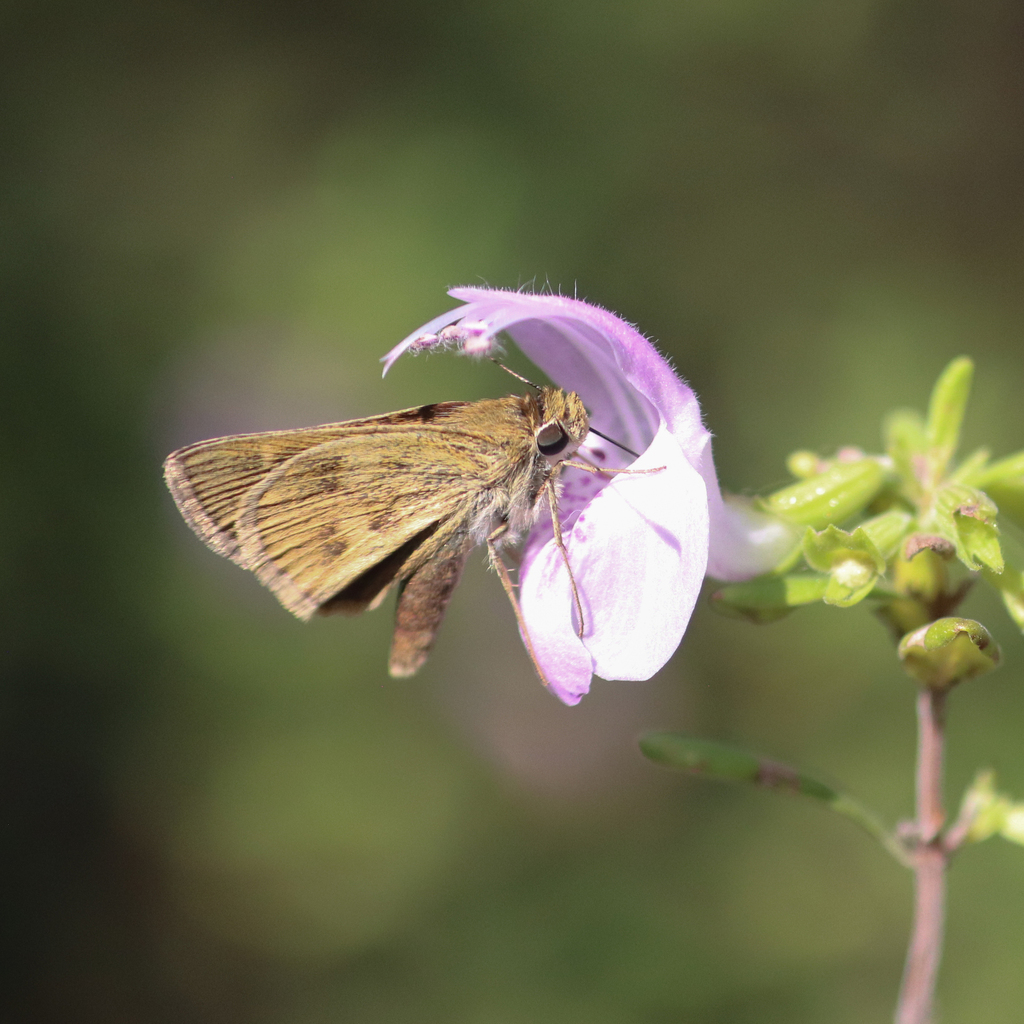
column 215, row 218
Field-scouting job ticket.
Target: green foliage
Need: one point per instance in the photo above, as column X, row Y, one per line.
column 1003, row 481
column 770, row 597
column 913, row 516
column 1010, row 584
column 945, row 415
column 912, row 511
column 728, row 763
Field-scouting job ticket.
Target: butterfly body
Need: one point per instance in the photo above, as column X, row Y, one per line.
column 330, row 518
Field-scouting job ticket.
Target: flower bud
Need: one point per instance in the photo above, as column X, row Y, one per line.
column 947, row 652
column 804, row 464
column 830, row 497
column 852, row 561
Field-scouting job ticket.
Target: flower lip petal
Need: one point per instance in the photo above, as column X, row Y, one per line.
column 637, row 573
column 545, row 598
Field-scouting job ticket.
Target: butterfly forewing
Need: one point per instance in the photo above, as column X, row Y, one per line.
column 328, row 516
column 209, row 480
column 352, row 505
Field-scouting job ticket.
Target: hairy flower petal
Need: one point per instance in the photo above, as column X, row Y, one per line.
column 639, row 544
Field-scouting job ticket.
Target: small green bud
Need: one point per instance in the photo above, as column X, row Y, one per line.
column 1013, row 824
column 852, row 561
column 946, row 414
column 991, row 813
column 983, row 808
column 948, row 651
column 921, row 571
column 919, row 576
column 803, row 465
column 768, row 598
column 830, row 497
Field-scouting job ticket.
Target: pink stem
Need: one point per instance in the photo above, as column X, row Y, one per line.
column 917, row 994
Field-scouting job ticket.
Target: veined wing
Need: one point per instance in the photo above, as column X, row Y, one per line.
column 210, row 480
column 334, row 526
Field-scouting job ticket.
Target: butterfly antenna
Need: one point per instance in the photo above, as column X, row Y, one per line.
column 518, row 376
column 604, row 437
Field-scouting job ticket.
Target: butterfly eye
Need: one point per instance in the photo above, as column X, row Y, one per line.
column 552, row 439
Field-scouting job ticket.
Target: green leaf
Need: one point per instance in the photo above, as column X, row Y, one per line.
column 768, row 598
column 970, row 469
column 1003, row 481
column 948, row 651
column 966, row 518
column 830, row 497
column 1010, row 584
column 1009, row 468
column 979, row 541
column 906, row 443
column 732, row 764
column 887, row 530
column 946, row 414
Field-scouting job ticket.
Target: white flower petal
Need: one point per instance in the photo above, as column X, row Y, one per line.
column 638, row 554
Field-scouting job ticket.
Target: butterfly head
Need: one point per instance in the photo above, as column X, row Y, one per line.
column 562, row 424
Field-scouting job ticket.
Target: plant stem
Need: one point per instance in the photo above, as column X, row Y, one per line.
column 917, row 993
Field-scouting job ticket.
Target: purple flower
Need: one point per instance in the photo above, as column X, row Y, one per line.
column 639, row 544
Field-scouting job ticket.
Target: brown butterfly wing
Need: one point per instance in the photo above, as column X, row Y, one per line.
column 329, row 517
column 335, row 526
column 210, row 479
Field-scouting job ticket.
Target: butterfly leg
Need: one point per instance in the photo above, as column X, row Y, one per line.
column 422, row 601
column 510, row 590
column 557, row 524
column 549, row 486
column 598, row 469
